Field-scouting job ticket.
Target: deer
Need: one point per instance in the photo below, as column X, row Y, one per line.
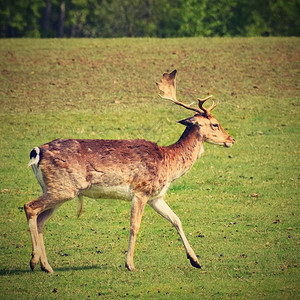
column 134, row 170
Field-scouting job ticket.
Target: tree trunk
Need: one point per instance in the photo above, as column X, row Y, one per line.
column 46, row 18
column 62, row 19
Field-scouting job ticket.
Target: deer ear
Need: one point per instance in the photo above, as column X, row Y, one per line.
column 188, row 122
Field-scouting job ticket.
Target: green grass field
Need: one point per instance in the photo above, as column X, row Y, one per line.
column 239, row 206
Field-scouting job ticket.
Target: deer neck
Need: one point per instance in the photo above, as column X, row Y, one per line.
column 184, row 153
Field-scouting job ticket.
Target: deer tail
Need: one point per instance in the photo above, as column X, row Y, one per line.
column 80, row 208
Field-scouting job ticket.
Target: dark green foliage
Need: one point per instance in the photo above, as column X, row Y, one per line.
column 152, row 18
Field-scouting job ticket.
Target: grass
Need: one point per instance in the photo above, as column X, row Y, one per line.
column 239, row 206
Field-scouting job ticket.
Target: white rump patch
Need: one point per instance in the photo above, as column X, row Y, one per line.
column 34, row 163
column 35, row 160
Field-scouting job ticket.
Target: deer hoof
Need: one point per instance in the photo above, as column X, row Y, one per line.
column 33, row 263
column 194, row 263
column 47, row 269
column 130, row 268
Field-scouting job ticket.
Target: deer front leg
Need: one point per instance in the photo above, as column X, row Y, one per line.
column 137, row 209
column 160, row 206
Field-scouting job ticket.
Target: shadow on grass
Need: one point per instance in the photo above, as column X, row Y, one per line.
column 7, row 272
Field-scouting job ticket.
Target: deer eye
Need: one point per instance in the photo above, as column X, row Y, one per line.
column 215, row 126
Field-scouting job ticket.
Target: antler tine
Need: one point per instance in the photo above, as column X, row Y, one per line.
column 167, row 86
column 211, row 107
column 201, row 102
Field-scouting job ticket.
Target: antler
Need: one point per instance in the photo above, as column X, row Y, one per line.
column 167, row 86
column 201, row 102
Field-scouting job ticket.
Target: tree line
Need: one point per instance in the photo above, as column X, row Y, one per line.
column 152, row 18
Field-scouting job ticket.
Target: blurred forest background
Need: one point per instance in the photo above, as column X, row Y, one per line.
column 150, row 18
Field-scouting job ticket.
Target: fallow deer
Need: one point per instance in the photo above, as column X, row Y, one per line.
column 139, row 171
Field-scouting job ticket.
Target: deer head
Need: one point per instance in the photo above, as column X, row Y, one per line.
column 209, row 127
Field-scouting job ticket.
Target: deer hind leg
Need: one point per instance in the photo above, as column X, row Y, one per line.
column 37, row 214
column 160, row 206
column 41, row 220
column 137, row 209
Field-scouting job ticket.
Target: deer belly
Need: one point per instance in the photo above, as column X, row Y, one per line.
column 109, row 192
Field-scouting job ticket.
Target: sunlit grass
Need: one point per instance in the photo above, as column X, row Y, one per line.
column 239, row 206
